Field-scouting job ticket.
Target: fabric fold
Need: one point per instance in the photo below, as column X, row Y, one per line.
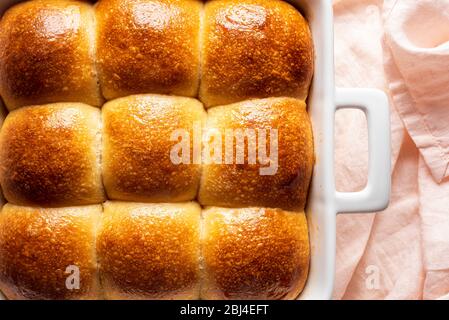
column 416, row 44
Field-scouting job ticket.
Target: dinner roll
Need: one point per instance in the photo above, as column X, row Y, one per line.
column 277, row 166
column 47, row 54
column 254, row 253
column 149, row 251
column 148, row 46
column 50, row 155
column 140, row 135
column 48, row 253
column 254, row 49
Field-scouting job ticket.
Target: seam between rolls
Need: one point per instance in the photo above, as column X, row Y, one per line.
column 201, row 255
column 201, row 44
column 93, row 53
column 202, row 165
column 100, row 154
column 101, row 292
column 202, row 17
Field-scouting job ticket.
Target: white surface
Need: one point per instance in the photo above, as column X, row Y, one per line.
column 324, row 202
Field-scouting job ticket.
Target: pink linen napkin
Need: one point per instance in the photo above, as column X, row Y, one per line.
column 417, row 47
column 402, row 47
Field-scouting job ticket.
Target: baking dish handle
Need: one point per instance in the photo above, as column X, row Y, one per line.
column 376, row 195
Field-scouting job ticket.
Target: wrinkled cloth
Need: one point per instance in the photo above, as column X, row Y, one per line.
column 401, row 47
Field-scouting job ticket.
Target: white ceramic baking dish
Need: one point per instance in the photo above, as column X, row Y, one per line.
column 325, row 202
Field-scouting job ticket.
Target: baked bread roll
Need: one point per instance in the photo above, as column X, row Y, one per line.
column 274, row 170
column 48, row 253
column 148, row 46
column 138, row 141
column 149, row 251
column 254, row 49
column 47, row 54
column 50, row 155
column 254, row 253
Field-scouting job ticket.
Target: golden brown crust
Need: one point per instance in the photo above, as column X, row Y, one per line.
column 49, row 155
column 137, row 145
column 242, row 185
column 47, row 54
column 254, row 49
column 148, row 46
column 38, row 245
column 254, row 253
column 149, row 251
